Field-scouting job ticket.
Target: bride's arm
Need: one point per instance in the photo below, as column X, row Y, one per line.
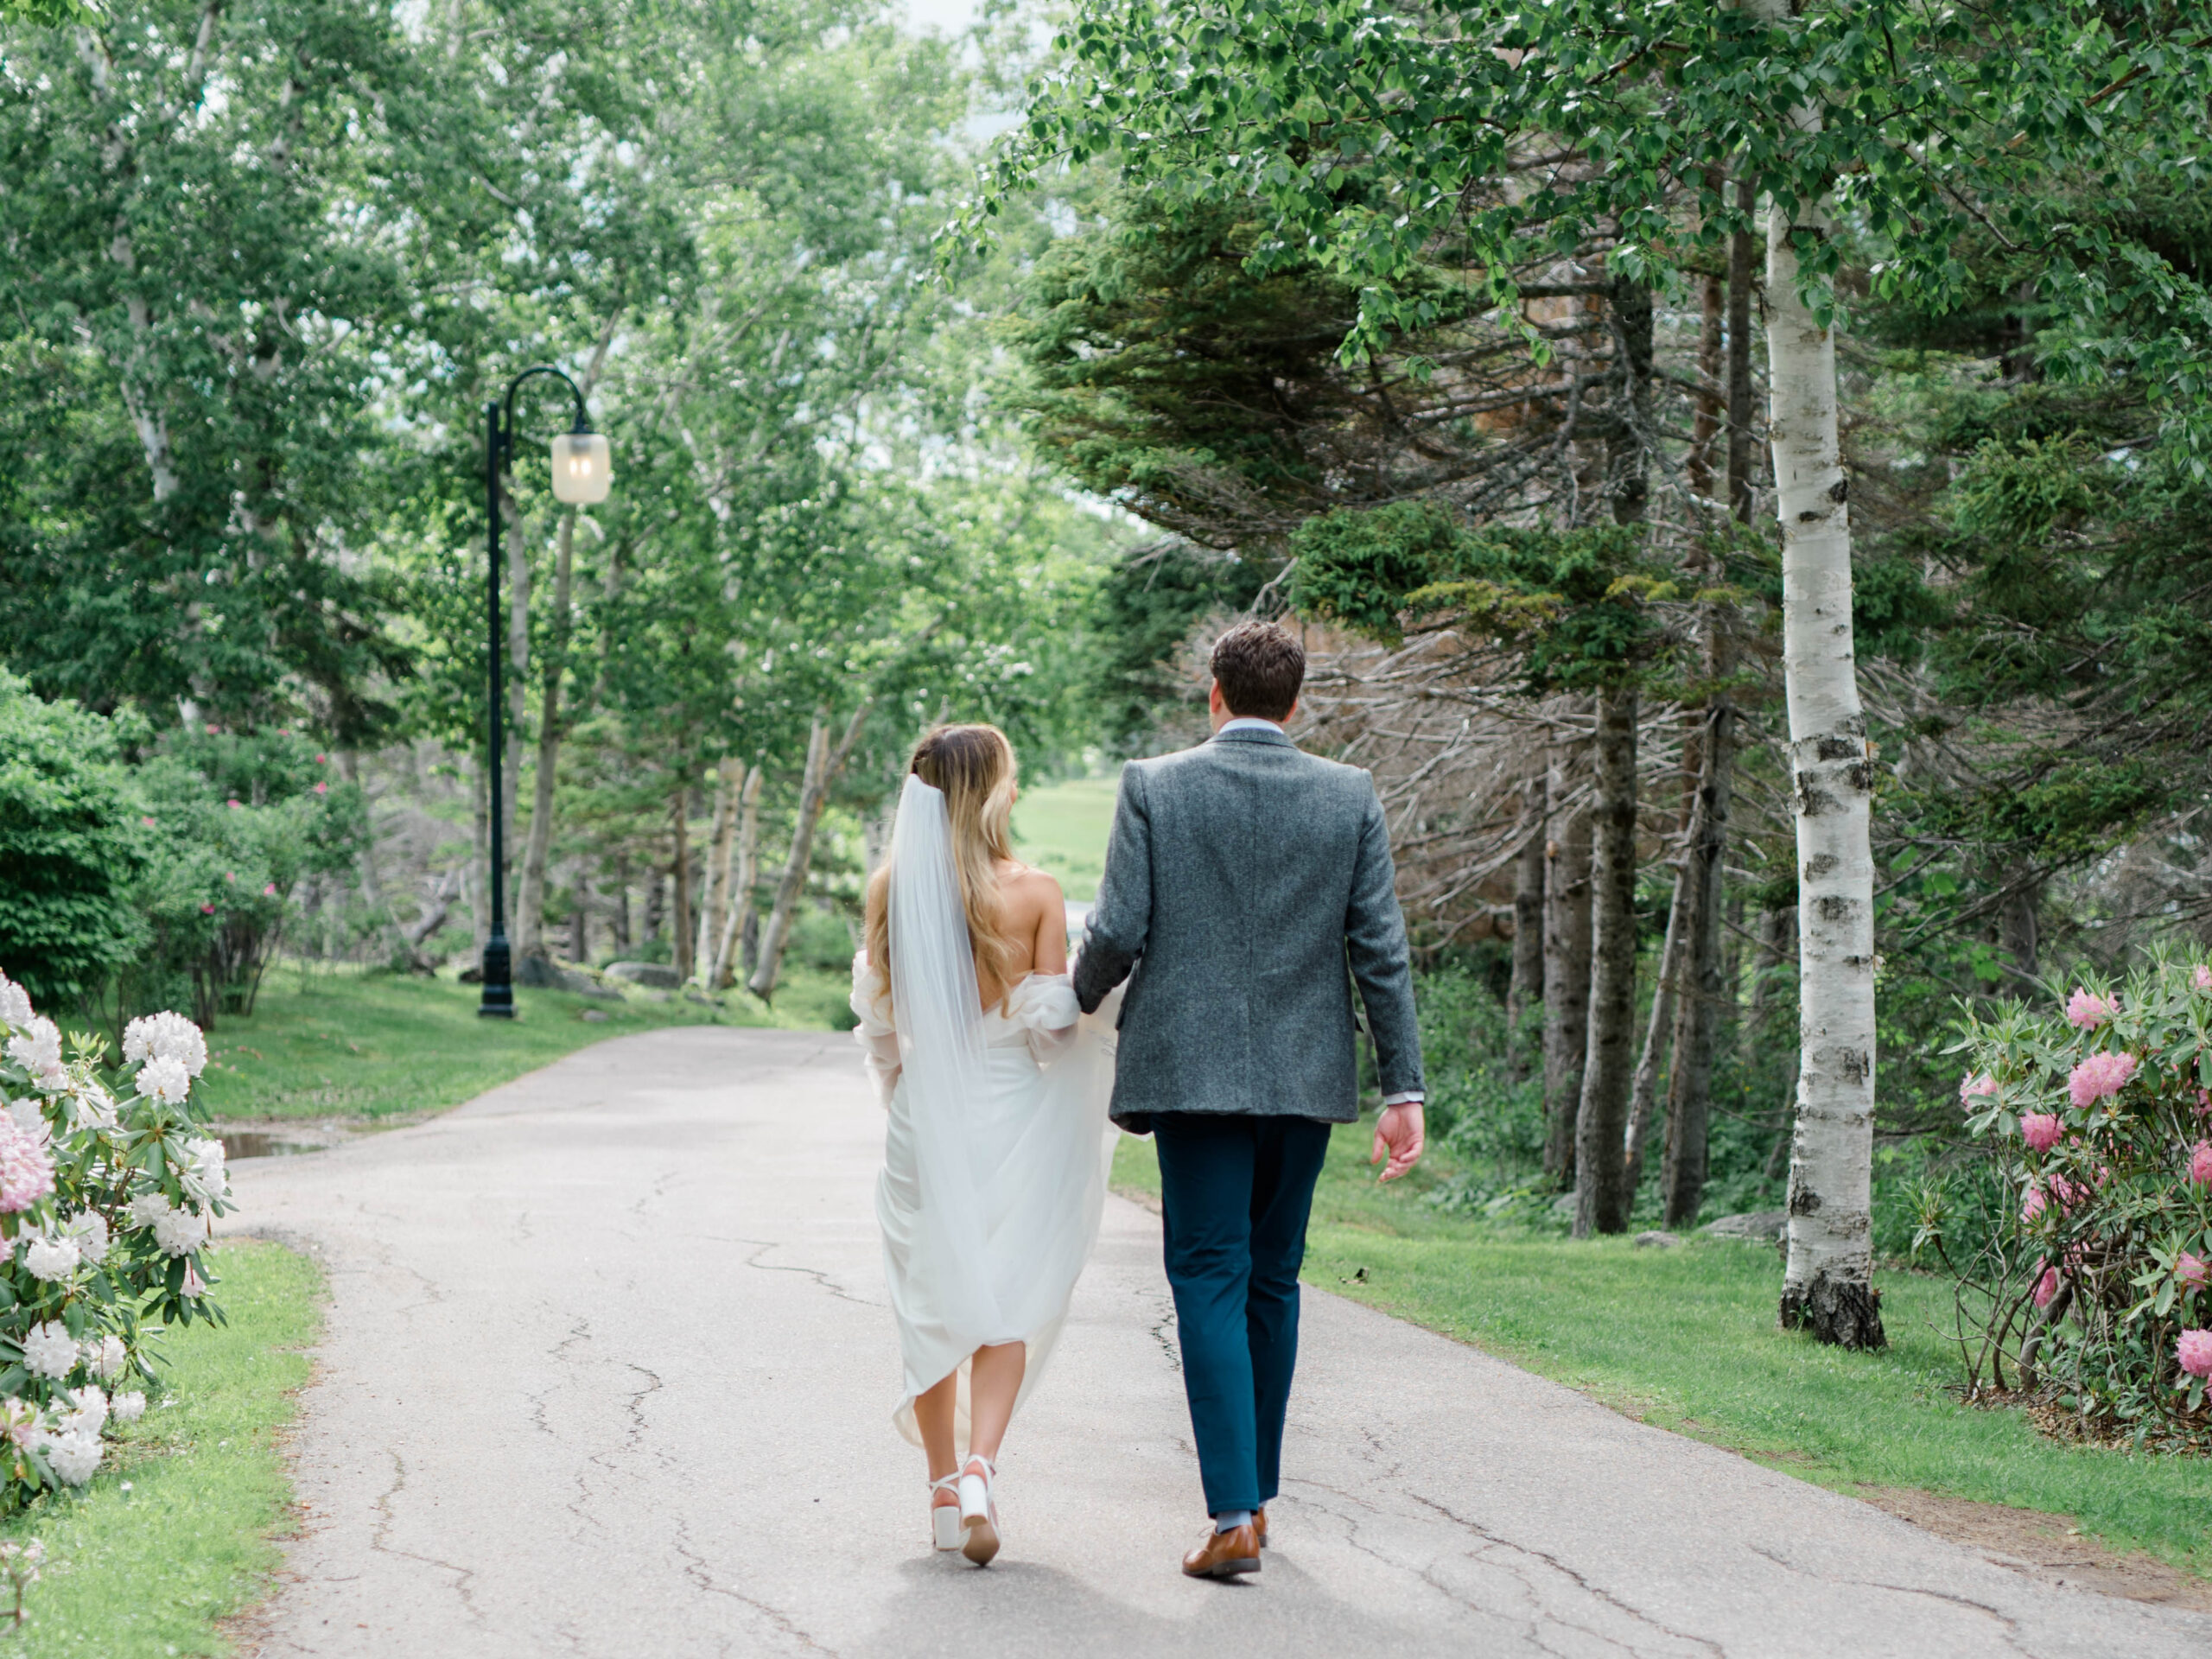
column 878, row 1038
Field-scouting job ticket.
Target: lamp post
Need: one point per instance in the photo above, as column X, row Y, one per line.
column 580, row 476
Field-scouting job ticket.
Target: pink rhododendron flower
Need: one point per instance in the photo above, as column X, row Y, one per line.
column 2200, row 1164
column 2033, row 1206
column 2040, row 1130
column 269, row 892
column 2189, row 1270
column 206, row 910
column 2089, row 1012
column 2046, row 1287
column 149, row 822
column 2201, row 978
column 323, row 789
column 2194, row 1351
column 1976, row 1087
column 320, row 758
column 2099, row 1076
column 26, row 1170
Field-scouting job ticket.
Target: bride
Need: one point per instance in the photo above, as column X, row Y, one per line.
column 994, row 1165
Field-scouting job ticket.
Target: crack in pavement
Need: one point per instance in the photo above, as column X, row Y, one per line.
column 465, row 1577
column 2011, row 1626
column 696, row 1570
column 763, row 1246
column 1494, row 1541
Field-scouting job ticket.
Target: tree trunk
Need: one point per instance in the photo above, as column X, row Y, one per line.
column 1601, row 1122
column 680, row 937
column 1829, row 1287
column 1644, row 1095
column 1527, row 987
column 478, row 895
column 580, row 918
column 729, row 781
column 2020, row 927
column 530, row 899
column 1697, row 1015
column 823, row 766
column 1742, row 273
column 1711, row 393
column 621, row 915
column 1566, row 968
column 743, row 880
column 656, row 907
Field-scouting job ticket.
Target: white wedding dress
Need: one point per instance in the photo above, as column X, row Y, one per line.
column 995, row 1159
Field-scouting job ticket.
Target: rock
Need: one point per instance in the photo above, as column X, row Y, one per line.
column 595, row 1015
column 1656, row 1241
column 543, row 974
column 471, row 975
column 654, row 976
column 1760, row 1226
column 1563, row 1206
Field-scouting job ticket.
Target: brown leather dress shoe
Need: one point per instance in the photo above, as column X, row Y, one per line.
column 1225, row 1555
column 1260, row 1527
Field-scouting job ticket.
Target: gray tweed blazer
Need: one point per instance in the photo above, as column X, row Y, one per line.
column 1241, row 877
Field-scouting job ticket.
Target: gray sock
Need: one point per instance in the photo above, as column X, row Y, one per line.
column 1230, row 1520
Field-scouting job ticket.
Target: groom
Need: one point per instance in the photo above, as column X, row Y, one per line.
column 1247, row 885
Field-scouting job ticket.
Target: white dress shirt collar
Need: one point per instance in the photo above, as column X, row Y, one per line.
column 1250, row 723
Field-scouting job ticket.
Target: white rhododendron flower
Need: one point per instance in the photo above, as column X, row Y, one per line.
column 165, row 1078
column 15, row 1004
column 49, row 1349
column 87, row 1416
column 106, row 1357
column 74, row 1459
column 27, row 1116
column 90, row 1232
column 165, row 1036
column 37, row 1049
column 179, row 1232
column 50, row 1259
column 128, row 1408
column 147, row 1208
column 205, row 1179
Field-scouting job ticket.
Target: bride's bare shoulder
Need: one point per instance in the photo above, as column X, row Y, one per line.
column 1029, row 889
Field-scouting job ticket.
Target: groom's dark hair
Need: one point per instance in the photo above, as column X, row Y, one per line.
column 1259, row 667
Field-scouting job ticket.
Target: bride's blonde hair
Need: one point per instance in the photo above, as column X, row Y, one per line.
column 973, row 767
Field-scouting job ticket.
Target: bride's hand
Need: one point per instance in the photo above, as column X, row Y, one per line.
column 1398, row 1136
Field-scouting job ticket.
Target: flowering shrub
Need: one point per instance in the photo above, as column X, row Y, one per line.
column 104, row 1204
column 2095, row 1279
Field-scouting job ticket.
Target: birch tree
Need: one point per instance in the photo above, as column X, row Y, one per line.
column 1378, row 140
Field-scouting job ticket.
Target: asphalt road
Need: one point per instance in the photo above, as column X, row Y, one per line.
column 608, row 1372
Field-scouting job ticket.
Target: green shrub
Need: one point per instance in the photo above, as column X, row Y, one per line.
column 70, row 846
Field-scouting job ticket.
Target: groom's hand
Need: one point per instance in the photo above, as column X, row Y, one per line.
column 1398, row 1136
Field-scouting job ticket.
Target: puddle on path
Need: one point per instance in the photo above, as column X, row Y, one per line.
column 276, row 1139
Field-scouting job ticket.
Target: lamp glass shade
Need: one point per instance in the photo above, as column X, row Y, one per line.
column 580, row 472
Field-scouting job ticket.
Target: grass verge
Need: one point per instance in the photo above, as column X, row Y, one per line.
column 324, row 1043
column 1061, row 829
column 1686, row 1339
column 176, row 1531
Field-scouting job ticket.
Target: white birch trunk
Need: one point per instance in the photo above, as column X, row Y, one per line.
column 824, row 764
column 713, row 913
column 1829, row 1285
column 743, row 879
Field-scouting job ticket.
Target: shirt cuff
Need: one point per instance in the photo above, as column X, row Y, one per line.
column 1405, row 1097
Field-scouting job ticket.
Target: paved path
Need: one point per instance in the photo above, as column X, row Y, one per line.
column 608, row 1373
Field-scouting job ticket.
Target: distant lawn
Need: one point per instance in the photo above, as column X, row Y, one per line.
column 1061, row 829
column 144, row 1573
column 326, row 1043
column 1686, row 1339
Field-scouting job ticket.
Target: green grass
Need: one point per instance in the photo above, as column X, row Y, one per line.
column 1686, row 1339
column 174, row 1532
column 341, row 1043
column 1061, row 829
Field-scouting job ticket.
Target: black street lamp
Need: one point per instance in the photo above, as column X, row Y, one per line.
column 580, row 476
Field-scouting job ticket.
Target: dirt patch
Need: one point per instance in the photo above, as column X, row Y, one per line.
column 2045, row 1547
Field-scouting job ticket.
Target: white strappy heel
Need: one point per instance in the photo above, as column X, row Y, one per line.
column 944, row 1518
column 979, row 1510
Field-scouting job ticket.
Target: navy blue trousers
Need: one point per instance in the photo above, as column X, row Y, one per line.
column 1235, row 1192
